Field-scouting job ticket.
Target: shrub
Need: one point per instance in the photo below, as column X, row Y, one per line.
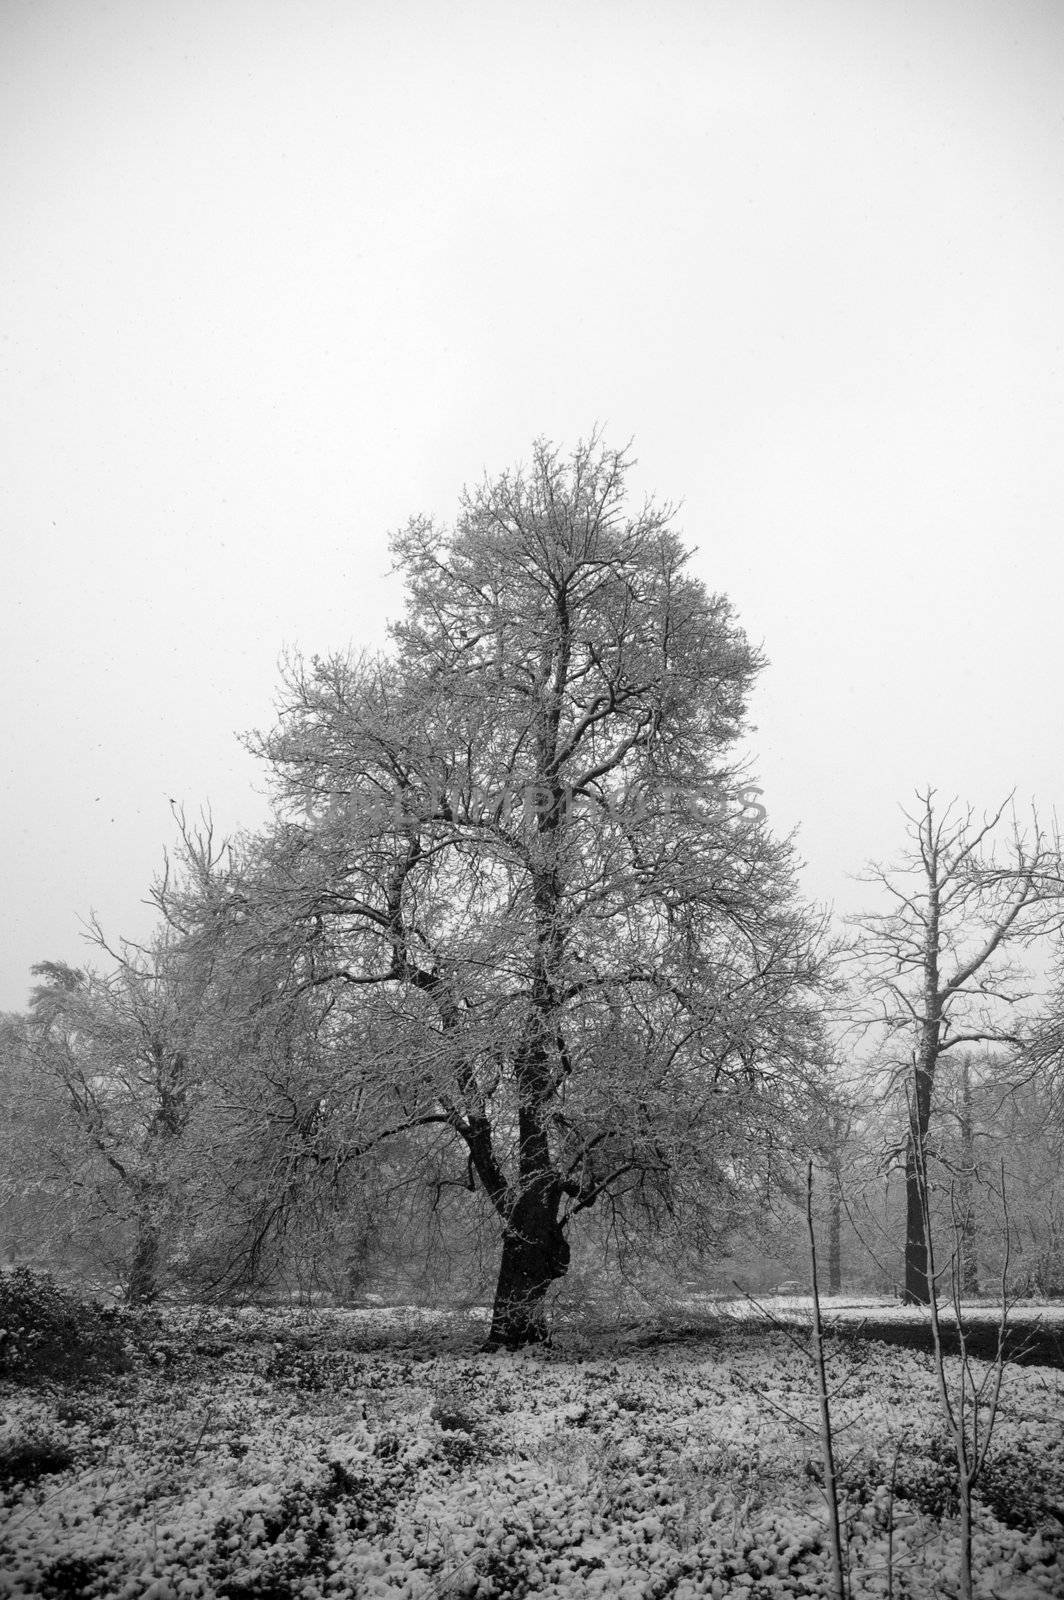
column 1021, row 1488
column 463, row 1438
column 26, row 1460
column 925, row 1474
column 70, row 1577
column 46, row 1332
column 452, row 1417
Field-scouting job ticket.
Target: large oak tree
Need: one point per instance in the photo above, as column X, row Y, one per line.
column 515, row 859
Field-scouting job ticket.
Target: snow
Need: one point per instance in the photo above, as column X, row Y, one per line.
column 378, row 1453
column 859, row 1308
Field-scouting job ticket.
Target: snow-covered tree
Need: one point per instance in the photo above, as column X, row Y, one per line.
column 123, row 1052
column 556, row 948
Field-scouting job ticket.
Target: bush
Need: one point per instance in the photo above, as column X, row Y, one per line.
column 46, row 1332
column 1021, row 1488
column 69, row 1577
column 463, row 1438
column 26, row 1460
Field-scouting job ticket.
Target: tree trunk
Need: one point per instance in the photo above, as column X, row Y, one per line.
column 535, row 1253
column 917, row 1194
column 143, row 1284
column 835, row 1236
column 917, row 1292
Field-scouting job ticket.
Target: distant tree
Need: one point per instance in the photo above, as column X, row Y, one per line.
column 936, row 971
column 559, row 956
column 28, row 1179
column 967, row 1166
column 13, row 1102
column 836, row 1154
column 121, row 1048
column 1041, row 1056
column 1020, row 1127
column 1037, row 1115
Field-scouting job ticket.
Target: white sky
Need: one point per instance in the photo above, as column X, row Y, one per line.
column 275, row 276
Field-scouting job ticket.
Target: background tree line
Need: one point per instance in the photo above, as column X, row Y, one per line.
column 519, row 983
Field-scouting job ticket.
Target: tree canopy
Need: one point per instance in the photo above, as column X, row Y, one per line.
column 517, row 861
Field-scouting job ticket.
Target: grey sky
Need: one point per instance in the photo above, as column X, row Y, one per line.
column 276, row 276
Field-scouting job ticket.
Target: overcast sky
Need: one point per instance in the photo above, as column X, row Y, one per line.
column 276, row 276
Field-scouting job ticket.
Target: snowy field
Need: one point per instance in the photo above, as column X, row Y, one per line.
column 377, row 1453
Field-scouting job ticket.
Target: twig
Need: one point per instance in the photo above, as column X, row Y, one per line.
column 830, row 1488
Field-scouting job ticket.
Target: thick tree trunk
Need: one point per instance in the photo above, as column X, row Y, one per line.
column 535, row 1251
column 535, row 1254
column 917, row 1291
column 143, row 1284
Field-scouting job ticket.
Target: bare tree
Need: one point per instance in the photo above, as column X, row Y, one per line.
column 517, row 856
column 33, row 1124
column 122, row 1049
column 835, row 1149
column 961, row 1102
column 936, row 971
column 1042, row 1056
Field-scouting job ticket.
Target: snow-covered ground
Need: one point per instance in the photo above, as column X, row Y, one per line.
column 862, row 1308
column 377, row 1453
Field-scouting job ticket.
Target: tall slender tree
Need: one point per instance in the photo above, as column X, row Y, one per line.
column 937, row 970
